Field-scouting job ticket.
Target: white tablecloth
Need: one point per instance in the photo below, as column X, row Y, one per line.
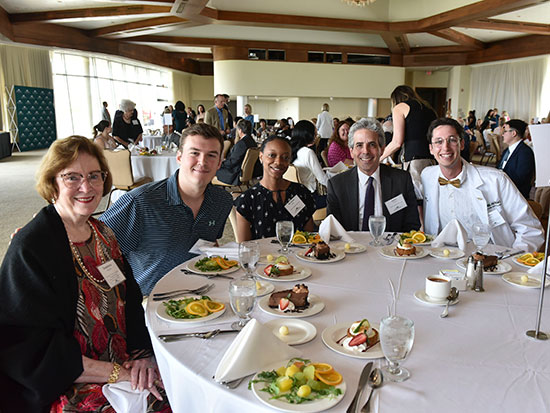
column 151, row 142
column 476, row 360
column 155, row 166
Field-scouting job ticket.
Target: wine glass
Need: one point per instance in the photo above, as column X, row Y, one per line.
column 377, row 225
column 284, row 231
column 481, row 235
column 242, row 297
column 396, row 339
column 249, row 254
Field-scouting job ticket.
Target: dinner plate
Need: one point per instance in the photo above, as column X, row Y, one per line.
column 454, row 253
column 191, row 267
column 315, row 307
column 331, row 335
column 314, row 406
column 502, row 266
column 299, row 273
column 389, row 252
column 266, row 288
column 514, row 278
column 299, row 331
column 354, row 247
column 421, row 296
column 338, row 256
column 161, row 313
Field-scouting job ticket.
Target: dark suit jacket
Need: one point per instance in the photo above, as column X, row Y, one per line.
column 230, row 171
column 521, row 168
column 343, row 199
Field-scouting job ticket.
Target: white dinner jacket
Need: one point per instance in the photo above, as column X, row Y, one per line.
column 491, row 191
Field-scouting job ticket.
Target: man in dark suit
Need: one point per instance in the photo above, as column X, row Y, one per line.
column 230, row 171
column 371, row 188
column 518, row 160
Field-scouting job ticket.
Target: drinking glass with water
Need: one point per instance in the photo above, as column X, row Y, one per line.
column 242, row 297
column 284, row 231
column 377, row 226
column 396, row 339
column 249, row 254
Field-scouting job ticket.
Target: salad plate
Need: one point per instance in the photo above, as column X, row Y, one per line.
column 501, row 267
column 299, row 273
column 162, row 314
column 389, row 252
column 332, row 335
column 338, row 256
column 315, row 307
column 191, row 266
column 299, row 331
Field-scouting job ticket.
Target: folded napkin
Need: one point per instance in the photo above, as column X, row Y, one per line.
column 537, row 269
column 330, row 227
column 453, row 233
column 125, row 400
column 254, row 349
column 336, row 169
column 229, row 250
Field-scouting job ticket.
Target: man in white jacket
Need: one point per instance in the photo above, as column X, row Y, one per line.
column 455, row 189
column 324, row 126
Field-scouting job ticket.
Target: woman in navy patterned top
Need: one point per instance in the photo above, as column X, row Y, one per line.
column 267, row 202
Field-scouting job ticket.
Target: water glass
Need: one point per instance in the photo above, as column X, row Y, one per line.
column 284, row 231
column 242, row 297
column 481, row 234
column 396, row 339
column 249, row 254
column 377, row 225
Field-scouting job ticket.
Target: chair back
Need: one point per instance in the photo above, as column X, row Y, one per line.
column 291, row 174
column 495, row 146
column 473, row 147
column 536, row 207
column 324, row 156
column 247, row 167
column 226, row 146
column 121, row 168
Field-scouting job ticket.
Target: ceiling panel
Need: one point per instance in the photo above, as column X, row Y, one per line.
column 427, row 40
column 98, row 22
column 27, row 6
column 534, row 14
column 488, row 35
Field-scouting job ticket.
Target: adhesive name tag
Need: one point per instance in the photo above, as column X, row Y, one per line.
column 111, row 273
column 135, row 122
column 396, row 204
column 295, row 205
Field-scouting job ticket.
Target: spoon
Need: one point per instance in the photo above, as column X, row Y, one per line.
column 452, row 296
column 375, row 381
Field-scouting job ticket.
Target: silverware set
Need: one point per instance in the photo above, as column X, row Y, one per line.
column 209, row 276
column 369, row 378
column 233, row 384
column 389, row 238
column 206, row 335
column 173, row 294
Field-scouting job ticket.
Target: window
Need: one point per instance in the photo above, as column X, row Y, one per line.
column 256, row 54
column 316, row 57
column 366, row 59
column 334, row 57
column 275, row 55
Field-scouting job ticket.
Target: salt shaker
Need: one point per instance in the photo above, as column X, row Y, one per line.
column 471, row 272
column 478, row 282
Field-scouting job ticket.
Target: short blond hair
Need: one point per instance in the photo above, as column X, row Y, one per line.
column 61, row 154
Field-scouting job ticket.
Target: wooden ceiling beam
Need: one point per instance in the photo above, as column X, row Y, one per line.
column 396, row 42
column 524, row 46
column 5, row 24
column 508, row 26
column 141, row 24
column 49, row 16
column 460, row 38
column 440, row 49
column 191, row 55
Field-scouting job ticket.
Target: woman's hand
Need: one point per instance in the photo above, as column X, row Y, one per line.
column 144, row 374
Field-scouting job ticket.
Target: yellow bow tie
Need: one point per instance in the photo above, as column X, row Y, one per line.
column 454, row 182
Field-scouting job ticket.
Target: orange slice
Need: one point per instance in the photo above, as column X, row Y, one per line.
column 213, row 306
column 231, row 263
column 322, row 368
column 331, row 378
column 196, row 308
column 531, row 261
column 221, row 262
column 419, row 238
column 525, row 257
column 299, row 239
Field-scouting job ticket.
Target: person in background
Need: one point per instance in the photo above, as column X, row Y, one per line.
column 290, row 122
column 171, row 137
column 248, row 114
column 471, row 121
column 338, row 148
column 324, row 127
column 201, row 113
column 263, row 130
column 191, row 115
column 126, row 126
column 283, row 128
column 179, row 117
column 229, row 114
column 218, row 116
column 105, row 115
column 260, row 207
column 69, row 327
column 102, row 135
column 505, row 116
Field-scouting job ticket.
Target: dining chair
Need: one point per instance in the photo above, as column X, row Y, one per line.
column 247, row 171
column 324, row 156
column 121, row 172
column 226, row 146
column 291, row 174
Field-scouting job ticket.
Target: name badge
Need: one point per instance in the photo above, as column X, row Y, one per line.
column 135, row 122
column 294, row 206
column 396, row 204
column 495, row 219
column 111, row 273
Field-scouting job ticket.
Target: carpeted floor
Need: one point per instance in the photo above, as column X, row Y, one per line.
column 19, row 200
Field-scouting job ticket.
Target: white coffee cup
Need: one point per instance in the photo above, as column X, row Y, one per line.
column 438, row 286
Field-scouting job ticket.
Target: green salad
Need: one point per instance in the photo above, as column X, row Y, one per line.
column 177, row 308
column 208, row 264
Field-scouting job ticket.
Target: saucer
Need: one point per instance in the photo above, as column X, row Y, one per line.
column 421, row 296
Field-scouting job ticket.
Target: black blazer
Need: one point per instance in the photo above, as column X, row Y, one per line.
column 343, row 199
column 230, row 171
column 520, row 168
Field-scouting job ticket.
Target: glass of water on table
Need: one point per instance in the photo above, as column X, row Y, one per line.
column 249, row 254
column 396, row 340
column 242, row 297
column 284, row 231
column 377, row 225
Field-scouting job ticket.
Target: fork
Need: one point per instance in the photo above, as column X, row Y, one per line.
column 233, row 384
column 169, row 295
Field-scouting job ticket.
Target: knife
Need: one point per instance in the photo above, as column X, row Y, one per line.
column 511, row 254
column 362, row 381
column 212, row 275
column 274, row 241
column 173, row 337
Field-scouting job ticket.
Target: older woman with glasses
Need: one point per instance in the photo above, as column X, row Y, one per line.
column 71, row 316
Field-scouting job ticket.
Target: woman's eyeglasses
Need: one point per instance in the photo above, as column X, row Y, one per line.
column 75, row 180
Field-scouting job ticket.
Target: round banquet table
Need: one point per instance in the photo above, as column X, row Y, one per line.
column 478, row 359
column 155, row 166
column 150, row 141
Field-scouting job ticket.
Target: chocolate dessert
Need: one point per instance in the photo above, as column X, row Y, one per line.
column 297, row 296
column 320, row 251
column 490, row 262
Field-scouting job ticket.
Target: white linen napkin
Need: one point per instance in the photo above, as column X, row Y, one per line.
column 537, row 269
column 125, row 400
column 336, row 169
column 331, row 227
column 229, row 250
column 453, row 233
column 255, row 348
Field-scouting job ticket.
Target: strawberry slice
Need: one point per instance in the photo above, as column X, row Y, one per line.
column 358, row 340
column 267, row 270
column 283, row 304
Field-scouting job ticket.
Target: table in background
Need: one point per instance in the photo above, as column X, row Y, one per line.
column 151, row 141
column 476, row 360
column 155, row 166
column 5, row 145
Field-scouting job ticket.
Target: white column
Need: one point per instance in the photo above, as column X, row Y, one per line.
column 241, row 101
column 371, row 108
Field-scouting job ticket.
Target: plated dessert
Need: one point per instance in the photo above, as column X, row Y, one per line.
column 489, row 262
column 281, row 267
column 320, row 251
column 360, row 336
column 290, row 301
column 405, row 247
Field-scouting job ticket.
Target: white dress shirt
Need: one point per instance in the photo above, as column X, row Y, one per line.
column 363, row 182
column 454, row 205
column 309, row 169
column 324, row 124
column 511, row 150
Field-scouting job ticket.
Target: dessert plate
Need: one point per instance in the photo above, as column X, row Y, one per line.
column 338, row 256
column 315, row 307
column 454, row 253
column 502, row 266
column 161, row 313
column 389, row 252
column 299, row 331
column 299, row 273
column 331, row 335
column 314, row 406
column 266, row 288
column 354, row 247
column 421, row 296
column 190, row 266
column 533, row 281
